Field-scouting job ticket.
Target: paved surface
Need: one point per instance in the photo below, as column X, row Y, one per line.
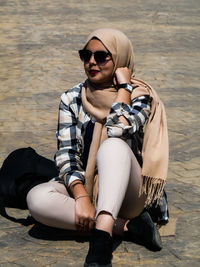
column 38, row 61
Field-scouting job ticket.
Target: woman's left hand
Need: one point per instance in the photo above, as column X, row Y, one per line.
column 122, row 75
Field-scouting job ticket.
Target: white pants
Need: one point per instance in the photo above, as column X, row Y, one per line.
column 119, row 177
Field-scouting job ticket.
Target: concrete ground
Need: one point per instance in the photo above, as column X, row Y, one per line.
column 38, row 61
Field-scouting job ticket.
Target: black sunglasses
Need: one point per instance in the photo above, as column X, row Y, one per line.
column 101, row 57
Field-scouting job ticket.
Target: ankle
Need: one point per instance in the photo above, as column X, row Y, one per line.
column 125, row 225
column 105, row 222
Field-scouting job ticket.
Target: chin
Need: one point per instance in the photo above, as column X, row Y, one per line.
column 99, row 81
column 95, row 80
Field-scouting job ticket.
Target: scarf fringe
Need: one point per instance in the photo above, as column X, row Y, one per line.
column 153, row 188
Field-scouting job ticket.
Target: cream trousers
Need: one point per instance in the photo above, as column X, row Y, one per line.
column 119, row 182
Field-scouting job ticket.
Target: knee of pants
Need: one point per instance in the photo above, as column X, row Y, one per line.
column 38, row 198
column 114, row 146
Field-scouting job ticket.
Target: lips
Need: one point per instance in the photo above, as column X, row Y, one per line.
column 93, row 72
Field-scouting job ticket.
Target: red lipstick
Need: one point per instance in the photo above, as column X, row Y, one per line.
column 93, row 72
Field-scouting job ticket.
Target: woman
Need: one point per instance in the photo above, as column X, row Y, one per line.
column 113, row 152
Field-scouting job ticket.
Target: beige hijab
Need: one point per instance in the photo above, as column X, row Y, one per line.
column 97, row 102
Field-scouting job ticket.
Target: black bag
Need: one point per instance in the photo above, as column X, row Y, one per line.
column 160, row 212
column 22, row 170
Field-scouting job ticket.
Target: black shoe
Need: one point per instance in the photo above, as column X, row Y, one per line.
column 100, row 250
column 142, row 231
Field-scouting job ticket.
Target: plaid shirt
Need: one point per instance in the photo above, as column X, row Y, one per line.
column 72, row 126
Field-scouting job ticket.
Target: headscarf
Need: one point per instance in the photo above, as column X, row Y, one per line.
column 155, row 143
column 117, row 43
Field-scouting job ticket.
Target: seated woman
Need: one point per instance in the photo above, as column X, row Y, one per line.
column 112, row 152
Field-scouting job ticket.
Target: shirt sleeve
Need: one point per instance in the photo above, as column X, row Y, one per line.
column 68, row 156
column 137, row 114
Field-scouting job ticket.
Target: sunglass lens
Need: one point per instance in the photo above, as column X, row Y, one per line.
column 85, row 55
column 100, row 57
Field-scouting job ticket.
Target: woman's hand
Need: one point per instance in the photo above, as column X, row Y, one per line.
column 84, row 214
column 84, row 210
column 122, row 75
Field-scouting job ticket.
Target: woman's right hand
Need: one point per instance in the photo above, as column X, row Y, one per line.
column 84, row 214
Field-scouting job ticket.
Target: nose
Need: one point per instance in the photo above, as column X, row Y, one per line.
column 92, row 60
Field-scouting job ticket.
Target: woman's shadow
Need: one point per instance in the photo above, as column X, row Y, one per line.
column 40, row 231
column 44, row 232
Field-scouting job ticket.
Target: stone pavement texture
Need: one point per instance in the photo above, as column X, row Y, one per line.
column 38, row 61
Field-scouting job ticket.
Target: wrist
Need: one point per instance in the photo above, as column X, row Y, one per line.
column 77, row 188
column 82, row 196
column 76, row 183
column 126, row 86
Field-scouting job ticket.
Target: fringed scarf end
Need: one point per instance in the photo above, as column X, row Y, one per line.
column 152, row 188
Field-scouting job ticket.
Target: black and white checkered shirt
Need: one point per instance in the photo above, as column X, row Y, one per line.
column 75, row 129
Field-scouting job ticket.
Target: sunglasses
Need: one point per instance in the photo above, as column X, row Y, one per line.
column 101, row 57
